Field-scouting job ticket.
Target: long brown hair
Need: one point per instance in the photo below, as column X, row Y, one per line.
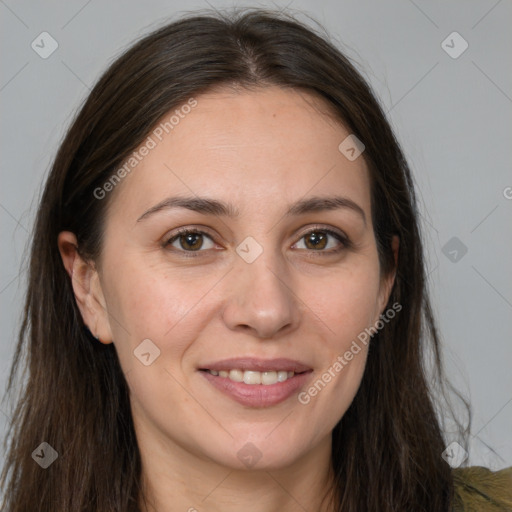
column 387, row 447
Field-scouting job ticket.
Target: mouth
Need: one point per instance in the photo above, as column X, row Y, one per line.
column 257, row 383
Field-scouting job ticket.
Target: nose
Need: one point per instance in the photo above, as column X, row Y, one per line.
column 261, row 298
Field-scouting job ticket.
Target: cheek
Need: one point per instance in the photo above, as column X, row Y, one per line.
column 343, row 308
column 345, row 302
column 148, row 302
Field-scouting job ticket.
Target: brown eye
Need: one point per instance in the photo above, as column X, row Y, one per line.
column 316, row 240
column 190, row 241
column 321, row 239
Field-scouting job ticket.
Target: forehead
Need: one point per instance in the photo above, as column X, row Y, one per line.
column 245, row 146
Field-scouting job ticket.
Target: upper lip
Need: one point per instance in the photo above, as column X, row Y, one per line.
column 259, row 365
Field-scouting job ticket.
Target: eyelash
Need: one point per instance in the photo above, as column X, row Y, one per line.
column 345, row 242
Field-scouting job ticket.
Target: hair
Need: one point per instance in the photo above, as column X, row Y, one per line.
column 386, row 449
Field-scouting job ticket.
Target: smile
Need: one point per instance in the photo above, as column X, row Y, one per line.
column 254, row 377
column 257, row 389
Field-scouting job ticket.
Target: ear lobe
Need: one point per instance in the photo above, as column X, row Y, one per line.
column 86, row 287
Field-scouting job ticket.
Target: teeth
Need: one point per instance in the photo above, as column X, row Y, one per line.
column 269, row 377
column 253, row 377
column 236, row 375
column 282, row 376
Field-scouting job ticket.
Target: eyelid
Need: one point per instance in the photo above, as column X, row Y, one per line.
column 325, row 228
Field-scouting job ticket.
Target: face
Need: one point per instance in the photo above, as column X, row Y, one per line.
column 269, row 284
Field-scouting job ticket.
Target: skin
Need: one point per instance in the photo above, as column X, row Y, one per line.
column 293, row 301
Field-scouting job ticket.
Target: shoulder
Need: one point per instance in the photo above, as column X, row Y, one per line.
column 479, row 489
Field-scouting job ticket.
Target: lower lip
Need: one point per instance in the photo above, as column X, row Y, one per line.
column 258, row 395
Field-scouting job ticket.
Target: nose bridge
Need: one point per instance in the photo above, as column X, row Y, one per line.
column 260, row 296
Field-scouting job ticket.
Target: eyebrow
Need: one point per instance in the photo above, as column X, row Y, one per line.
column 209, row 206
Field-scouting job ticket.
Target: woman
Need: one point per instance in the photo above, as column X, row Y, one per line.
column 227, row 306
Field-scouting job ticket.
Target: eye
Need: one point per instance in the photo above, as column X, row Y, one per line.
column 318, row 239
column 322, row 240
column 190, row 240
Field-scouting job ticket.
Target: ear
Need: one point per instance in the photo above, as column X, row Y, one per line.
column 86, row 287
column 388, row 281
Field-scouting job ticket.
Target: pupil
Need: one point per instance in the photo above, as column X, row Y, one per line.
column 189, row 240
column 317, row 239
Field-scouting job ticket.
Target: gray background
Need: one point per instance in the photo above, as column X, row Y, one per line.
column 452, row 116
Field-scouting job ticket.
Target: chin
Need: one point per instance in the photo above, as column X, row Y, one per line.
column 260, row 452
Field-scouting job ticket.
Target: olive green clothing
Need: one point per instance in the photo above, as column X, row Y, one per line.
column 478, row 489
